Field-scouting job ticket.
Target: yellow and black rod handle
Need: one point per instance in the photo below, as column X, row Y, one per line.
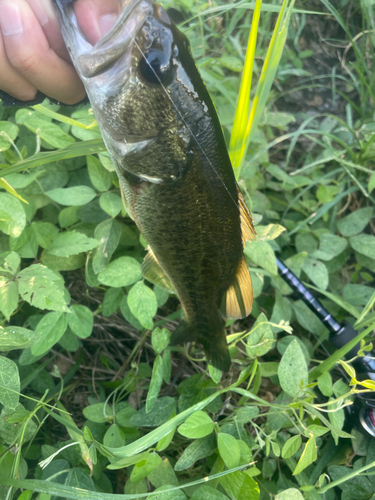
column 362, row 412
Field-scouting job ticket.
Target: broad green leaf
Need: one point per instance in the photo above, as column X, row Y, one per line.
column 10, row 189
column 68, row 216
column 123, row 271
column 128, row 315
column 143, row 468
column 246, row 414
column 207, row 493
column 279, row 119
column 306, row 242
column 316, row 430
column 355, row 222
column 69, row 341
column 282, row 311
column 262, row 254
column 100, row 177
column 229, row 449
column 357, row 295
column 325, row 384
column 50, row 328
column 134, row 488
column 16, row 337
column 123, row 416
column 317, row 272
column 110, row 203
column 261, row 338
column 160, row 339
column 10, row 430
column 26, row 244
column 112, row 301
column 9, row 383
column 364, row 244
column 108, row 235
column 290, row 494
column 293, row 370
column 163, row 474
column 63, row 263
column 215, row 373
column 357, row 487
column 79, row 478
column 198, row 449
column 114, row 437
column 285, row 341
column 155, row 384
column 81, row 320
column 71, row 243
column 162, row 411
column 230, row 62
column 12, row 215
column 142, row 303
column 240, row 486
column 164, row 442
column 291, row 446
column 12, row 262
column 99, row 413
column 42, row 288
column 44, row 232
column 72, row 196
column 308, row 456
column 326, row 194
column 330, row 246
column 8, row 297
column 8, row 134
column 337, row 419
column 197, row 425
column 49, row 132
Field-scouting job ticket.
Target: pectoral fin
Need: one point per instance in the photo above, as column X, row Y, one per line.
column 153, row 272
column 247, row 227
column 238, row 300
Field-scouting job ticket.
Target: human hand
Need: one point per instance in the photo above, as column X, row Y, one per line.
column 33, row 55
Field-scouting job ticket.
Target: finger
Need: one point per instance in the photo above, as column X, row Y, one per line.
column 46, row 15
column 11, row 81
column 30, row 55
column 96, row 17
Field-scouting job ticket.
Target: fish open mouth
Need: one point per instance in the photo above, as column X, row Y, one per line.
column 93, row 60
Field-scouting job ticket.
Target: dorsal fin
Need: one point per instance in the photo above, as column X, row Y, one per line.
column 247, row 227
column 153, row 272
column 238, row 300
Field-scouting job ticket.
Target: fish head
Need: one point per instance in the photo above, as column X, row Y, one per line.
column 138, row 80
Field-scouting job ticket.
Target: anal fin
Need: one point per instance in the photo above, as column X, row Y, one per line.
column 247, row 227
column 238, row 300
column 153, row 272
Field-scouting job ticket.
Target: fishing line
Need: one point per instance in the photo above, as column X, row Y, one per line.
column 184, row 122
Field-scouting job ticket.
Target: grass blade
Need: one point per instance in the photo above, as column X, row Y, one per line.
column 82, row 148
column 64, row 491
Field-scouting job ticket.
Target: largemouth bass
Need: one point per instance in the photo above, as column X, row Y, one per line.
column 164, row 137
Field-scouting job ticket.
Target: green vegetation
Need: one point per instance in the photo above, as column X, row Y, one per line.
column 91, row 394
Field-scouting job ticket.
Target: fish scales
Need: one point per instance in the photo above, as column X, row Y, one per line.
column 165, row 140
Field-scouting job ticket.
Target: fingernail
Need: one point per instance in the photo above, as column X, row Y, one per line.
column 10, row 19
column 107, row 22
column 40, row 9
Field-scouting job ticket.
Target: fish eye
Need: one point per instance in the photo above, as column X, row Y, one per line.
column 154, row 66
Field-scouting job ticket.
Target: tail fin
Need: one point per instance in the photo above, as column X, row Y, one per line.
column 214, row 343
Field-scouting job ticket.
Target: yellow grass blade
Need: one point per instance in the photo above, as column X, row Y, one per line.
column 242, row 131
column 243, row 105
